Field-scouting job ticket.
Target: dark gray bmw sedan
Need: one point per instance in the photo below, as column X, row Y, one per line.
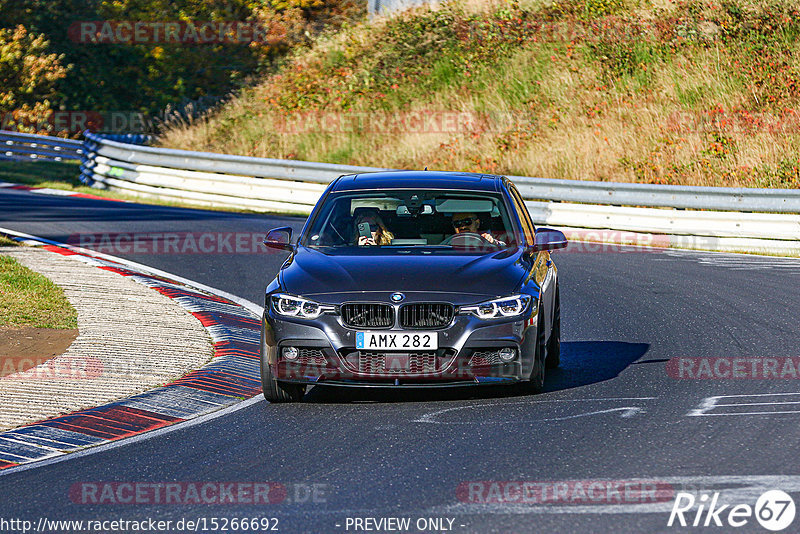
column 412, row 279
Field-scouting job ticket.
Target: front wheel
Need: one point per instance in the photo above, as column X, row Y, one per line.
column 553, row 358
column 275, row 391
column 536, row 382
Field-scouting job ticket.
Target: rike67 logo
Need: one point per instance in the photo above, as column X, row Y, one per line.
column 774, row 510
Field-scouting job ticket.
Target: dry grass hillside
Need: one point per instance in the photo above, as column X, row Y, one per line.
column 673, row 92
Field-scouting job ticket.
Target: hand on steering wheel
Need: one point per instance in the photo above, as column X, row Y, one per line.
column 466, row 239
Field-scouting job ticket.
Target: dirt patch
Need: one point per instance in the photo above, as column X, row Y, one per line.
column 26, row 347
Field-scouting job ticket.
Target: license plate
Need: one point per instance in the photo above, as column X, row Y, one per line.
column 400, row 341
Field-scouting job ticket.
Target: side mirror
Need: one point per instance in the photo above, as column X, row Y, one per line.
column 279, row 238
column 549, row 239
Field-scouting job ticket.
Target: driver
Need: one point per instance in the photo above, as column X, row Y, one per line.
column 464, row 223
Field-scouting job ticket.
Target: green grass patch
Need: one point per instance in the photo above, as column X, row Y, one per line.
column 41, row 173
column 29, row 299
column 6, row 242
column 342, row 154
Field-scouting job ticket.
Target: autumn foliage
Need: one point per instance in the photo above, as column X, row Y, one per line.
column 43, row 66
column 28, row 74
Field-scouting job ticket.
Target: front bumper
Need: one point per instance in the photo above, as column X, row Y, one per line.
column 467, row 355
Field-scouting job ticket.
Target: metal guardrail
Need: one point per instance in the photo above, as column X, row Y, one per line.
column 219, row 180
column 288, row 185
column 606, row 193
column 670, row 196
column 385, row 7
column 19, row 146
column 305, row 171
column 721, row 224
column 125, row 164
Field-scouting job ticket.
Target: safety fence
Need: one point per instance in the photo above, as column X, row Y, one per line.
column 25, row 147
column 735, row 218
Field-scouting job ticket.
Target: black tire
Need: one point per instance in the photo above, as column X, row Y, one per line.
column 536, row 382
column 553, row 358
column 275, row 391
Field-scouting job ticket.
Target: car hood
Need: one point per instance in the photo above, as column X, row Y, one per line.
column 312, row 272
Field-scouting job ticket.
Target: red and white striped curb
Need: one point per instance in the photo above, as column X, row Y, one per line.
column 54, row 192
column 232, row 375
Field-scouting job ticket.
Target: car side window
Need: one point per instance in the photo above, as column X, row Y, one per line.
column 528, row 227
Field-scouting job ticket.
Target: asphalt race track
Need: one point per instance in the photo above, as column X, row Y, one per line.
column 611, row 412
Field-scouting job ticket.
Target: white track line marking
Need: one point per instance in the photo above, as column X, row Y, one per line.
column 710, row 403
column 135, row 439
column 732, row 490
column 54, row 192
column 430, row 418
column 760, row 403
column 783, row 412
column 258, row 310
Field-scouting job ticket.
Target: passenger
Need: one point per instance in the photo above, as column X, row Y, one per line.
column 380, row 235
column 464, row 223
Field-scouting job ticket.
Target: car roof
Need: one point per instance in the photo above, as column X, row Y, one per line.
column 418, row 179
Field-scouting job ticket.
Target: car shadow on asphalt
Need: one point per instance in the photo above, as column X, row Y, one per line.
column 582, row 363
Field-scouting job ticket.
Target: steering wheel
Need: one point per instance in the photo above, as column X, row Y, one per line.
column 466, row 239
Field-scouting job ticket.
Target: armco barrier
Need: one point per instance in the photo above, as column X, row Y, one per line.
column 205, row 178
column 25, row 147
column 671, row 196
column 768, row 217
column 723, row 224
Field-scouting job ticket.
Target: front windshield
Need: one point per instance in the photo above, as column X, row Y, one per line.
column 444, row 220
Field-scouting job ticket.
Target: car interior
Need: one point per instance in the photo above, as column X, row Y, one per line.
column 427, row 224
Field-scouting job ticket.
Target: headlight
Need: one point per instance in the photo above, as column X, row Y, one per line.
column 291, row 306
column 498, row 308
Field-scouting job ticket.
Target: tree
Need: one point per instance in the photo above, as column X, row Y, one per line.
column 28, row 74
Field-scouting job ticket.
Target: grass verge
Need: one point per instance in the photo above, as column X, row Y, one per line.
column 28, row 298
